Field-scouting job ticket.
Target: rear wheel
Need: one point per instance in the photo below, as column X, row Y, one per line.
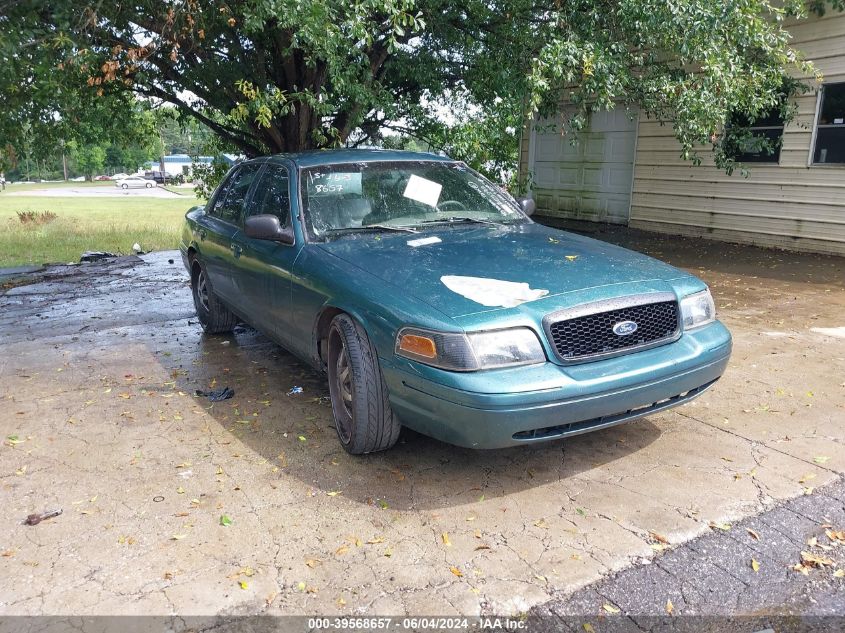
column 149, row 185
column 214, row 317
column 363, row 418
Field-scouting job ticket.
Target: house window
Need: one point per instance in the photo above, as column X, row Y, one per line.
column 830, row 128
column 757, row 140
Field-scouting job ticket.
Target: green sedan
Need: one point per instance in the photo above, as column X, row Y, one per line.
column 433, row 301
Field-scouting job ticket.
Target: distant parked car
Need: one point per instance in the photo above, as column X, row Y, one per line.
column 78, row 179
column 158, row 176
column 134, row 182
column 120, row 176
column 103, row 177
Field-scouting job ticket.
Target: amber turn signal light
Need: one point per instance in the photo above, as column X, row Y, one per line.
column 419, row 345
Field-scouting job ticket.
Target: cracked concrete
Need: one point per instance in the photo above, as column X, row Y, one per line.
column 713, row 576
column 98, row 368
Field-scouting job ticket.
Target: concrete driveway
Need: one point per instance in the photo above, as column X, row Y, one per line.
column 172, row 504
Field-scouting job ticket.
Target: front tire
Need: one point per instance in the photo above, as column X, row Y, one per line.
column 124, row 186
column 214, row 317
column 149, row 186
column 364, row 421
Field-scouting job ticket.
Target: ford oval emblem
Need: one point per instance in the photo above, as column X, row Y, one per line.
column 624, row 328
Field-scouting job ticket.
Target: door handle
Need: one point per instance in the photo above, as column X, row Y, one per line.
column 236, row 249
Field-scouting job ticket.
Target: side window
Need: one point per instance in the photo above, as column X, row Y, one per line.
column 830, row 127
column 272, row 195
column 230, row 207
column 216, row 202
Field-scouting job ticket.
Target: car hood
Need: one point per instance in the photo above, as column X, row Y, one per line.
column 459, row 270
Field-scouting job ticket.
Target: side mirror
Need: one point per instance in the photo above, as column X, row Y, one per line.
column 268, row 227
column 527, row 205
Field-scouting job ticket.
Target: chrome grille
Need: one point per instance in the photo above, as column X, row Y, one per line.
column 592, row 335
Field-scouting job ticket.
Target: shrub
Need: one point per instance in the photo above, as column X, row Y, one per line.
column 36, row 217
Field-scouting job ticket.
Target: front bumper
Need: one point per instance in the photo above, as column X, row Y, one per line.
column 520, row 405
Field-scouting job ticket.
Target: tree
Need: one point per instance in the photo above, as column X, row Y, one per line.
column 283, row 75
column 90, row 159
column 127, row 158
column 181, row 134
column 8, row 158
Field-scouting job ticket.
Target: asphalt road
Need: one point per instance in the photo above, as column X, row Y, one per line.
column 105, row 191
column 779, row 570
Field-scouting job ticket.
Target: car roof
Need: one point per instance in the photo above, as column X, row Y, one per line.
column 315, row 158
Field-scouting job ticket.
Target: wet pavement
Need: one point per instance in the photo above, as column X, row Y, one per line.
column 174, row 504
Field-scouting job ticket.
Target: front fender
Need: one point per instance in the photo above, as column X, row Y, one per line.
column 325, row 285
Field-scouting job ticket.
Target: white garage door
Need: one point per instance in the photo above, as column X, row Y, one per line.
column 590, row 180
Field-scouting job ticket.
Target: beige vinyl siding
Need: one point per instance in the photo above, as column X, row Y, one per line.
column 524, row 142
column 788, row 205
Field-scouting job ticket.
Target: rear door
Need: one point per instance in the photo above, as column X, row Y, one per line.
column 264, row 268
column 219, row 249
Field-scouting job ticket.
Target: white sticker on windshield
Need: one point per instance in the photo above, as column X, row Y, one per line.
column 423, row 190
column 494, row 293
column 334, row 183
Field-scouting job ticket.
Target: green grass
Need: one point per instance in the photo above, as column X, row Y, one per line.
column 88, row 224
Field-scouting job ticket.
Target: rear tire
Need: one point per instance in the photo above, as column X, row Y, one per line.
column 149, row 186
column 214, row 317
column 364, row 421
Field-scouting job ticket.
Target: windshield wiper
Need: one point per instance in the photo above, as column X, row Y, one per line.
column 371, row 227
column 457, row 219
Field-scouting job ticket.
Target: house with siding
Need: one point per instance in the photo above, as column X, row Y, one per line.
column 627, row 169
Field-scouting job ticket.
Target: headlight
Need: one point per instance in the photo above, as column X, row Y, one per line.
column 698, row 310
column 472, row 351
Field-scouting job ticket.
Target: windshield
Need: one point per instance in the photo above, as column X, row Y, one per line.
column 359, row 197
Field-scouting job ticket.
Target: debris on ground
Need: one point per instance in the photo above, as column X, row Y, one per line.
column 295, row 390
column 136, row 248
column 35, row 519
column 96, row 256
column 216, row 395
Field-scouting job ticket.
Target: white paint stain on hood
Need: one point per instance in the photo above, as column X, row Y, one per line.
column 494, row 293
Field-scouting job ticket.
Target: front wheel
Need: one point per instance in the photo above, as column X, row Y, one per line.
column 149, row 185
column 124, row 186
column 214, row 317
column 363, row 418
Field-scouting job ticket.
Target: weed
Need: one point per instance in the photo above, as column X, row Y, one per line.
column 35, row 218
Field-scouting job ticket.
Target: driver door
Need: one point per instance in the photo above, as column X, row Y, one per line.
column 264, row 267
column 218, row 247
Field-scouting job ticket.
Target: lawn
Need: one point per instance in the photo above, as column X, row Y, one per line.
column 87, row 223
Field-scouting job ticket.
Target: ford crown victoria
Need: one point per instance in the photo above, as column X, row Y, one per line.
column 433, row 301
